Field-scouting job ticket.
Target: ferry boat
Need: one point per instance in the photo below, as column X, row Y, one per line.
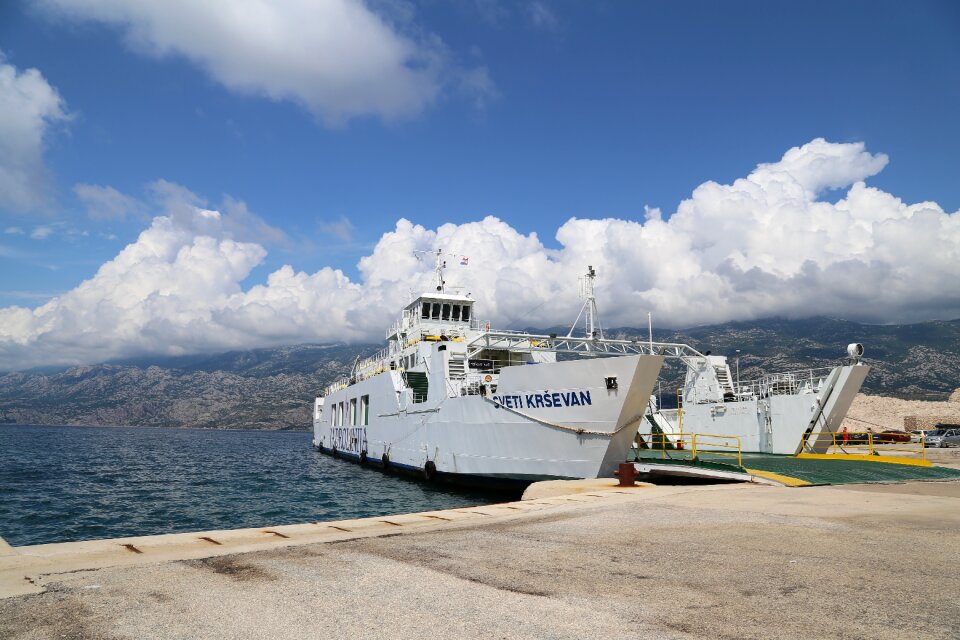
column 451, row 398
column 781, row 413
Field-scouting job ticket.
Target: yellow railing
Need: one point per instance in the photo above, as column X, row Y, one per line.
column 717, row 445
column 663, row 442
column 693, row 443
column 858, row 443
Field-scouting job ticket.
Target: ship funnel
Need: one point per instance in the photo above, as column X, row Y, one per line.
column 855, row 351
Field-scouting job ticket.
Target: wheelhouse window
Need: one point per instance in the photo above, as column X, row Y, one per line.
column 425, row 311
column 435, row 313
column 456, row 313
column 466, row 313
column 446, row 312
column 364, row 410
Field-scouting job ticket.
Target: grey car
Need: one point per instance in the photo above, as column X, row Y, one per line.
column 943, row 438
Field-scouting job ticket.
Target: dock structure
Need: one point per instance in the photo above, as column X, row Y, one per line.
column 706, row 561
column 793, row 471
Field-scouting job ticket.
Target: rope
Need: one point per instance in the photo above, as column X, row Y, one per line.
column 564, row 427
column 866, row 422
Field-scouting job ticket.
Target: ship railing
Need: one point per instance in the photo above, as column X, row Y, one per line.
column 473, row 383
column 363, row 370
column 523, row 341
column 372, row 362
column 785, row 383
column 333, row 387
column 861, row 443
column 696, row 447
column 792, row 382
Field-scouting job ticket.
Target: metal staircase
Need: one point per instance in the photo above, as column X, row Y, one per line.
column 457, row 368
column 724, row 379
column 418, row 383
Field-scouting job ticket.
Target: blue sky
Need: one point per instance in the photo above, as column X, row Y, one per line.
column 542, row 111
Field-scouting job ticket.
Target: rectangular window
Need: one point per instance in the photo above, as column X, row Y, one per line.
column 456, row 312
column 435, row 315
column 353, row 412
column 364, row 410
column 446, row 312
column 466, row 313
column 425, row 311
column 333, row 415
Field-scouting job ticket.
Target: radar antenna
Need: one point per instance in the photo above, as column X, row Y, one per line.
column 589, row 308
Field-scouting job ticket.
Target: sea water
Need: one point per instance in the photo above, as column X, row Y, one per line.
column 61, row 484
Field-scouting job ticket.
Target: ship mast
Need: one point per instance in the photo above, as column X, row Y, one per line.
column 594, row 329
column 438, row 268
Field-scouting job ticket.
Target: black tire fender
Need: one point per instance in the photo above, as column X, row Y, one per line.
column 429, row 470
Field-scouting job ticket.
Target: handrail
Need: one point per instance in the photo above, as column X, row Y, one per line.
column 858, row 441
column 719, row 442
column 661, row 442
column 519, row 340
column 712, row 444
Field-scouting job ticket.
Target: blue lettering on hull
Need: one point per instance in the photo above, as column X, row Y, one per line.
column 545, row 400
column 348, row 439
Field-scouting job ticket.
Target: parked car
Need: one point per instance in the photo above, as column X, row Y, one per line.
column 919, row 434
column 952, row 439
column 943, row 438
column 855, row 437
column 891, row 436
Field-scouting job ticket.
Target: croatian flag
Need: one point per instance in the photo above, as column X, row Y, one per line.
column 464, row 260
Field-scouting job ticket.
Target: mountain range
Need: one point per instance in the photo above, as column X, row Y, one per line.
column 274, row 388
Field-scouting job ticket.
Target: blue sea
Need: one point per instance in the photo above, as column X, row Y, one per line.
column 61, row 484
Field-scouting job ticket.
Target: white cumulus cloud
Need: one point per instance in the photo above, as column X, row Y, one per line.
column 29, row 107
column 337, row 58
column 764, row 245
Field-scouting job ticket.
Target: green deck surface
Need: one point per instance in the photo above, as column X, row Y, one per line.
column 814, row 471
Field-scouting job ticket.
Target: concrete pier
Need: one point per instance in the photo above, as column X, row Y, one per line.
column 745, row 561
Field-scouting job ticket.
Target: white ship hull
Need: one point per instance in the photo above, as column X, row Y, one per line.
column 545, row 421
column 774, row 418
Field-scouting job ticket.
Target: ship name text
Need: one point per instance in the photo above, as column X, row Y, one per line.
column 348, row 439
column 544, row 400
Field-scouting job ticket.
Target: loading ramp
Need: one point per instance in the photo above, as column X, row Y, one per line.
column 788, row 470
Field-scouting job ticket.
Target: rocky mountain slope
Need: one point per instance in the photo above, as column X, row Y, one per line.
column 258, row 389
column 274, row 388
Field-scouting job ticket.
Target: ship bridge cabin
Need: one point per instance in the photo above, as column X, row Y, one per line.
column 434, row 314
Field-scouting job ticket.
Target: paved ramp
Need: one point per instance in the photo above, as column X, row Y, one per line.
column 822, row 471
column 793, row 471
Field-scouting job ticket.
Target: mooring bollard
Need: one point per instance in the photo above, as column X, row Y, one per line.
column 627, row 474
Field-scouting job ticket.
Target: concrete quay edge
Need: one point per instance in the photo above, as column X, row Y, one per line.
column 24, row 570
